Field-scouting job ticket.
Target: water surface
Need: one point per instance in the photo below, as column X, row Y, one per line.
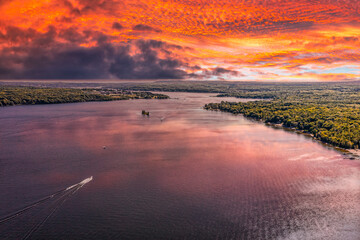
column 182, row 173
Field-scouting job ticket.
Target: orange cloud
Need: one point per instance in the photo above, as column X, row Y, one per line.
column 288, row 36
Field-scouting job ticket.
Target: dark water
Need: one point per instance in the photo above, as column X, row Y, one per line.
column 183, row 173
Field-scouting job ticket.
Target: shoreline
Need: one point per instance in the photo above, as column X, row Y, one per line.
column 351, row 154
column 15, row 96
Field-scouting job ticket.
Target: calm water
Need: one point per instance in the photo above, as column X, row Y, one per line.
column 182, row 173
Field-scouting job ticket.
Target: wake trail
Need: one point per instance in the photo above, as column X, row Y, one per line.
column 56, row 206
column 42, row 200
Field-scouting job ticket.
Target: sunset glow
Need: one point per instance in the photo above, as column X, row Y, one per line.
column 180, row 39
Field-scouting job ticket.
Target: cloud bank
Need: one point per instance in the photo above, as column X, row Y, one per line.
column 58, row 55
column 250, row 40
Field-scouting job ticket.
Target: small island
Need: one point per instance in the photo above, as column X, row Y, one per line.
column 145, row 113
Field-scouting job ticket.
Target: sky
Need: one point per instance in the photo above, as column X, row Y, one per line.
column 259, row 40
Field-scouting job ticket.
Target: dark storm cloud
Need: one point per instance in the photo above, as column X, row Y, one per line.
column 94, row 4
column 147, row 64
column 220, row 72
column 145, row 28
column 16, row 35
column 57, row 54
column 72, row 34
column 117, row 26
column 41, row 56
column 55, row 62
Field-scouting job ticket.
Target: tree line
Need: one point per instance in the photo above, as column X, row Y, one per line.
column 337, row 125
column 10, row 96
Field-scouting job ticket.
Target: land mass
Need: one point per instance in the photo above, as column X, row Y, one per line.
column 337, row 125
column 10, row 95
column 329, row 112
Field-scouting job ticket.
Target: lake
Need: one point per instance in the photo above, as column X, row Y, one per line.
column 182, row 173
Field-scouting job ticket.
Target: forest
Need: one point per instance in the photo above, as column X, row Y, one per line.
column 328, row 118
column 10, row 95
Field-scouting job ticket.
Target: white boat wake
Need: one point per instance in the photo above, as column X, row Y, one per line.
column 62, row 195
column 82, row 183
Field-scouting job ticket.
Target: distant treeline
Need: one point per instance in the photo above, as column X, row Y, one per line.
column 345, row 92
column 29, row 95
column 116, row 94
